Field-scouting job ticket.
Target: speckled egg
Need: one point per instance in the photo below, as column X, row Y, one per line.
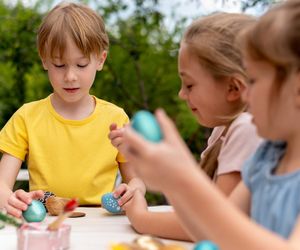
column 110, row 203
column 206, row 245
column 145, row 123
column 35, row 212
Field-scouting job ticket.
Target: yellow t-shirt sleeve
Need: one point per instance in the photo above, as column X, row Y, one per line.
column 121, row 158
column 13, row 136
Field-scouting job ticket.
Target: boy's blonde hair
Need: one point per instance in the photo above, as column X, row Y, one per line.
column 83, row 25
column 212, row 40
column 276, row 39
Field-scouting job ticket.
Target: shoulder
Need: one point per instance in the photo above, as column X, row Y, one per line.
column 110, row 109
column 255, row 167
column 31, row 108
column 242, row 130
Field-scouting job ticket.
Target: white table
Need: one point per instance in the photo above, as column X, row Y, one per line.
column 97, row 230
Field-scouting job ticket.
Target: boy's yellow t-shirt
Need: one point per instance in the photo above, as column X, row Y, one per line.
column 71, row 158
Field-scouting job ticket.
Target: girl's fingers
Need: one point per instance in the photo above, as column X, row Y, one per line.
column 125, row 198
column 167, row 125
column 136, row 143
column 120, row 190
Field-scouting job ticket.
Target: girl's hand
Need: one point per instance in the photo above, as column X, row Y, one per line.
column 125, row 192
column 19, row 201
column 116, row 137
column 136, row 207
column 158, row 164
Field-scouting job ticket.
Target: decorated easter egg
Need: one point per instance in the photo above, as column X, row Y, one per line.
column 35, row 212
column 206, row 245
column 145, row 123
column 110, row 203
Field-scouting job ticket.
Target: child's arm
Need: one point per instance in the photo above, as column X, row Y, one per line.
column 13, row 202
column 202, row 208
column 228, row 182
column 160, row 224
column 130, row 184
column 9, row 168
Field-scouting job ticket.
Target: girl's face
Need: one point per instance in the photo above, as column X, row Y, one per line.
column 272, row 111
column 205, row 96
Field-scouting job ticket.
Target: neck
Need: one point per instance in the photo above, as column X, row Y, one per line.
column 73, row 110
column 290, row 162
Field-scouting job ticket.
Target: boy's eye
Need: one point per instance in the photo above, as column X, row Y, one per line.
column 82, row 66
column 59, row 65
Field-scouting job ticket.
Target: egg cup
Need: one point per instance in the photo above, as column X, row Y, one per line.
column 34, row 236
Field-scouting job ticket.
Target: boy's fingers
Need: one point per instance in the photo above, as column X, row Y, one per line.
column 23, row 196
column 13, row 211
column 16, row 203
column 113, row 126
column 36, row 194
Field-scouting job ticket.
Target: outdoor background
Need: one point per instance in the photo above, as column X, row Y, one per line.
column 141, row 70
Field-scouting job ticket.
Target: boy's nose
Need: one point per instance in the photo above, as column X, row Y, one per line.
column 70, row 75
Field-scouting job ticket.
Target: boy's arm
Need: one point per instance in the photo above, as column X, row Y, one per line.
column 9, row 168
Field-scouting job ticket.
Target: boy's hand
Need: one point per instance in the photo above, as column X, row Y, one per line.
column 125, row 192
column 19, row 201
column 116, row 137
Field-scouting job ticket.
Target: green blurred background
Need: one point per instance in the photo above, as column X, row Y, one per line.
column 141, row 70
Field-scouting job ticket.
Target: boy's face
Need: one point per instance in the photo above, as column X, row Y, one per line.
column 73, row 75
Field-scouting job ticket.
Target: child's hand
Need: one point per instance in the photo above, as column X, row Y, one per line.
column 19, row 201
column 136, row 207
column 116, row 137
column 125, row 193
column 154, row 161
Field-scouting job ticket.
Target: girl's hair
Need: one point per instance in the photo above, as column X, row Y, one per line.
column 275, row 39
column 212, row 40
column 83, row 25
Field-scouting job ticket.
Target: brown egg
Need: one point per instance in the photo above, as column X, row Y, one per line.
column 55, row 205
column 148, row 243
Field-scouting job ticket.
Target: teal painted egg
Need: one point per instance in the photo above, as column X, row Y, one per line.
column 206, row 245
column 35, row 212
column 110, row 203
column 145, row 124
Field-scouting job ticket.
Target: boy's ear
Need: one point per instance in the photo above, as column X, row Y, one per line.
column 101, row 60
column 235, row 88
column 44, row 64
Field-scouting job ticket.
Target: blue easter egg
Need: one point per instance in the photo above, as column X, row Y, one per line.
column 206, row 245
column 35, row 212
column 110, row 203
column 145, row 123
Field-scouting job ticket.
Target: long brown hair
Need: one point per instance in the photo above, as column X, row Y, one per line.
column 275, row 39
column 212, row 40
